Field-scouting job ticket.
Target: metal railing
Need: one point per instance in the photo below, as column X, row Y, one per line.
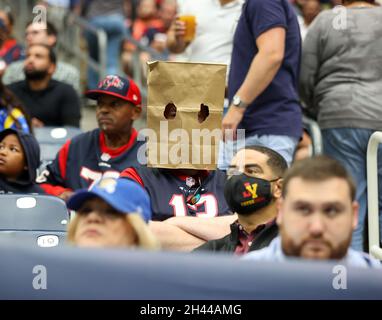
column 315, row 134
column 372, row 194
column 66, row 42
column 137, row 70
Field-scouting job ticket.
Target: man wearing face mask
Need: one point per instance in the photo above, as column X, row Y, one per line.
column 253, row 186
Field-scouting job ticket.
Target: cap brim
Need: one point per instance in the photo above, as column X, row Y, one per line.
column 76, row 201
column 94, row 94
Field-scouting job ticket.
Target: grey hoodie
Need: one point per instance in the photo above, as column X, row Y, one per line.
column 341, row 71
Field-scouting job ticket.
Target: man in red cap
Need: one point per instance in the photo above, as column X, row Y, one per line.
column 102, row 152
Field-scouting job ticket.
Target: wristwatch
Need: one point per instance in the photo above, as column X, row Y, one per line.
column 236, row 101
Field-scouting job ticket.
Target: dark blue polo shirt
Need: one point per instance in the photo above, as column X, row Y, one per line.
column 277, row 110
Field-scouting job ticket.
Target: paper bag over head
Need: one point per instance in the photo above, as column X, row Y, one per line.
column 185, row 108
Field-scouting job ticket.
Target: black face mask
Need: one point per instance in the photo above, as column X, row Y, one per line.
column 245, row 194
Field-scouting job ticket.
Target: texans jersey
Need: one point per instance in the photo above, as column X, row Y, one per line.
column 85, row 159
column 168, row 192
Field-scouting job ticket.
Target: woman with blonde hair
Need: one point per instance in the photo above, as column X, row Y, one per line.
column 112, row 213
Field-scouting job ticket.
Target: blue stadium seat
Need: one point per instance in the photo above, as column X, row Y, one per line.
column 51, row 140
column 37, row 219
column 75, row 273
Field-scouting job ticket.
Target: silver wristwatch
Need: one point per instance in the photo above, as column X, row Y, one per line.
column 236, row 101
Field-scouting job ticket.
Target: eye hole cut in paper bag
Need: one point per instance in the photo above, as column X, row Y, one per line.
column 185, row 108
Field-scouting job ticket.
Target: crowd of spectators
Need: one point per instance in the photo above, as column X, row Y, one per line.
column 286, row 59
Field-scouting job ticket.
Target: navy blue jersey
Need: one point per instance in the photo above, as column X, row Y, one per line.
column 168, row 193
column 85, row 159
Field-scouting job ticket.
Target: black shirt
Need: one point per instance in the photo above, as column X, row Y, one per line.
column 58, row 105
column 230, row 242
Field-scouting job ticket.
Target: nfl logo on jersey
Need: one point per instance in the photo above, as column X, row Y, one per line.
column 190, row 181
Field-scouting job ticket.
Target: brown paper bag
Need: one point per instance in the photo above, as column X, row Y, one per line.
column 184, row 113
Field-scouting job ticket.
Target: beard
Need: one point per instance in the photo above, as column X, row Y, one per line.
column 35, row 74
column 317, row 248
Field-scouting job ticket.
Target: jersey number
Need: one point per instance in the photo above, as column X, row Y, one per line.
column 94, row 176
column 208, row 200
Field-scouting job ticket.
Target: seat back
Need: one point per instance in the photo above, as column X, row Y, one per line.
column 41, row 219
column 51, row 140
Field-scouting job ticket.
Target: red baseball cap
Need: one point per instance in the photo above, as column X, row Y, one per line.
column 123, row 88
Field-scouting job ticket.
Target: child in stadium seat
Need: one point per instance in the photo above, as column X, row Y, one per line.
column 112, row 213
column 19, row 160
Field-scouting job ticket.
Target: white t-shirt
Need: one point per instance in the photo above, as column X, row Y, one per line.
column 59, row 3
column 215, row 27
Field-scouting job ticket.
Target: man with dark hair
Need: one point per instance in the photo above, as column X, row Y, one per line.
column 253, row 186
column 36, row 33
column 49, row 102
column 317, row 214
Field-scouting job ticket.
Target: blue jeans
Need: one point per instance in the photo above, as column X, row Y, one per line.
column 284, row 145
column 115, row 29
column 349, row 146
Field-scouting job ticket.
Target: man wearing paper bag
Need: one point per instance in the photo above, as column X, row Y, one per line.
column 185, row 105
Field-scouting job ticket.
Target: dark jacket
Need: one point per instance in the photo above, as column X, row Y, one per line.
column 26, row 182
column 230, row 241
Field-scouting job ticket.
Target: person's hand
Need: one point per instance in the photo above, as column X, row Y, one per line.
column 36, row 123
column 65, row 195
column 231, row 122
column 178, row 29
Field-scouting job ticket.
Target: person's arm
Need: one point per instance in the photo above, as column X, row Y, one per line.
column 52, row 179
column 70, row 107
column 172, row 237
column 204, row 228
column 264, row 66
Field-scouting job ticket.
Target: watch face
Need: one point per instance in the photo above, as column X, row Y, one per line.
column 236, row 100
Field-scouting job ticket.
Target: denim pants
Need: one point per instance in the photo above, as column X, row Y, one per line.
column 115, row 29
column 284, row 145
column 349, row 146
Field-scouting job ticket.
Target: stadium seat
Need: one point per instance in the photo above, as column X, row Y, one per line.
column 51, row 139
column 37, row 219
